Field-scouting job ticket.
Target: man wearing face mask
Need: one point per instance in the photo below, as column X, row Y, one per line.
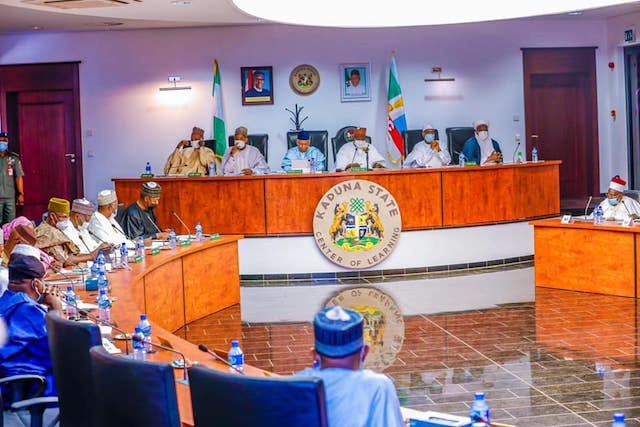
column 11, row 182
column 428, row 152
column 78, row 229
column 52, row 240
column 304, row 151
column 190, row 156
column 242, row 158
column 355, row 154
column 480, row 148
column 617, row 206
column 354, row 396
column 139, row 218
column 103, row 224
column 23, row 306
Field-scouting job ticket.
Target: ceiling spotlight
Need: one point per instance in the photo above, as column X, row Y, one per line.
column 576, row 13
column 181, row 3
column 35, row 27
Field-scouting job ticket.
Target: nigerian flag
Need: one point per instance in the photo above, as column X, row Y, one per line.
column 219, row 133
column 396, row 119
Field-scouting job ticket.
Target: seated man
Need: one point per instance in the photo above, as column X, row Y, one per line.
column 480, row 148
column 354, row 396
column 21, row 306
column 139, row 220
column 617, row 206
column 242, row 158
column 78, row 229
column 190, row 156
column 304, row 151
column 356, row 153
column 428, row 153
column 103, row 224
column 52, row 240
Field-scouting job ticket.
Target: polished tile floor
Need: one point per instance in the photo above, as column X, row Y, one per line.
column 567, row 359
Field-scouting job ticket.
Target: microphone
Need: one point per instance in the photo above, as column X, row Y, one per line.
column 517, row 146
column 96, row 319
column 185, row 379
column 587, row 207
column 628, row 211
column 354, row 153
column 366, row 152
column 174, row 213
column 205, row 349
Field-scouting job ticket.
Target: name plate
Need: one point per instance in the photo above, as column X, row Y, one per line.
column 358, row 170
column 138, row 258
column 147, row 175
column 194, row 174
column 185, row 242
column 470, row 164
column 566, row 219
column 155, row 251
column 214, row 236
column 627, row 222
column 290, row 171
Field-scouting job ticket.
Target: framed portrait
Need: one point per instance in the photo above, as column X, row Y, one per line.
column 355, row 82
column 257, row 85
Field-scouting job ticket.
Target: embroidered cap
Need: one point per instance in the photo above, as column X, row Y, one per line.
column 617, row 183
column 338, row 331
column 303, row 135
column 151, row 189
column 106, row 197
column 82, row 206
column 58, row 205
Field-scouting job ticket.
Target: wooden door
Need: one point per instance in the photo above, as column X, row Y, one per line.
column 561, row 114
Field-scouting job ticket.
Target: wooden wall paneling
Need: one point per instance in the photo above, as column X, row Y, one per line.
column 164, row 295
column 537, row 191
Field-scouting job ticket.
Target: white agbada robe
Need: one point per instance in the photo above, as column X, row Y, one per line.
column 81, row 238
column 618, row 212
column 423, row 155
column 355, row 152
column 249, row 157
column 108, row 230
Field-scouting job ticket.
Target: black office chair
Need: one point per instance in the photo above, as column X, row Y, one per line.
column 456, row 137
column 224, row 399
column 69, row 344
column 319, row 139
column 133, row 392
column 26, row 396
column 258, row 140
column 411, row 137
column 343, row 136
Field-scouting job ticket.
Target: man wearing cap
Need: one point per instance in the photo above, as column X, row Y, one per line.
column 52, row 240
column 242, row 158
column 78, row 229
column 11, row 183
column 139, row 218
column 23, row 306
column 355, row 154
column 190, row 156
column 304, row 151
column 480, row 148
column 428, row 153
column 617, row 206
column 354, row 396
column 103, row 225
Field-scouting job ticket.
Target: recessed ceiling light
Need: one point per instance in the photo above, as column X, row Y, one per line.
column 181, row 3
column 576, row 13
column 368, row 14
column 35, row 27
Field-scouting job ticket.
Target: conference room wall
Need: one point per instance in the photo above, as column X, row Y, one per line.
column 125, row 123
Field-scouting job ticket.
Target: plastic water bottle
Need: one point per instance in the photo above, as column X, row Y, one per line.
column 199, row 231
column 236, row 356
column 597, row 215
column 145, row 328
column 147, row 168
column 173, row 241
column 618, row 420
column 480, row 411
column 534, row 155
column 212, row 168
column 124, row 255
column 72, row 301
column 95, row 271
column 139, row 352
column 461, row 160
column 103, row 282
column 140, row 247
column 102, row 262
column 104, row 306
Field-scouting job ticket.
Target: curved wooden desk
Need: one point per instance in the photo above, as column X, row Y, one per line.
column 174, row 288
column 280, row 204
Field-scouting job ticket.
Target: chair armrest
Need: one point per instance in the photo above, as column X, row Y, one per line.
column 13, row 378
column 28, row 403
column 19, row 384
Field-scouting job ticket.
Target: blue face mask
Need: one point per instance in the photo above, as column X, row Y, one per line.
column 4, row 146
column 429, row 137
column 613, row 202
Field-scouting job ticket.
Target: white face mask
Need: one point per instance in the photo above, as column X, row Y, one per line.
column 62, row 225
column 240, row 143
column 360, row 144
column 483, row 135
column 84, row 227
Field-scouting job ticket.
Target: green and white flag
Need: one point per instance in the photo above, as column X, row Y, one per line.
column 219, row 132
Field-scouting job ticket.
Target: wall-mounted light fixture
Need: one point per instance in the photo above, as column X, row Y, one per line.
column 438, row 71
column 175, row 80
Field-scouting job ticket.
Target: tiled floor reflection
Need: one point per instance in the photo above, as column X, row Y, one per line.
column 568, row 359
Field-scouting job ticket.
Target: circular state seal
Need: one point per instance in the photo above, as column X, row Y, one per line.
column 357, row 224
column 304, row 79
column 383, row 323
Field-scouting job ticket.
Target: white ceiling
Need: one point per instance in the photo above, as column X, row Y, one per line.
column 20, row 15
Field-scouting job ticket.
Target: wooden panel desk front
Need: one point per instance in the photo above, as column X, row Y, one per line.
column 585, row 257
column 268, row 205
column 175, row 288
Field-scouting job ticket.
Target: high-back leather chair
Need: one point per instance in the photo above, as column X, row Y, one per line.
column 69, row 344
column 224, row 399
column 258, row 140
column 412, row 137
column 319, row 139
column 343, row 136
column 133, row 392
column 456, row 137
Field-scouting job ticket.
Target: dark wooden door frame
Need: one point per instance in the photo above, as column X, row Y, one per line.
column 43, row 77
column 559, row 66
